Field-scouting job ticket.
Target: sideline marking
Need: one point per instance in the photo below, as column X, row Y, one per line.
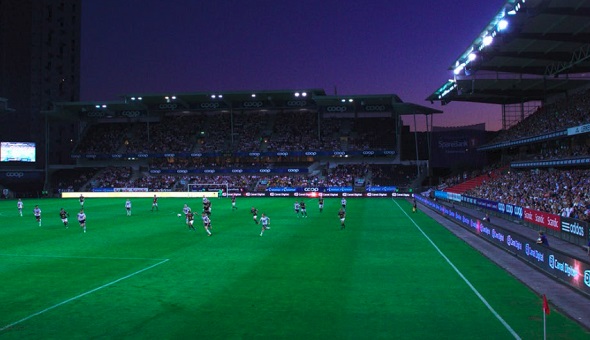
column 485, row 302
column 81, row 295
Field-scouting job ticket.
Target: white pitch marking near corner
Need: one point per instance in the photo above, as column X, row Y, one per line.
column 485, row 302
column 82, row 257
column 81, row 295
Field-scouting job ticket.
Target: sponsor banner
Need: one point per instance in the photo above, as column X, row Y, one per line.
column 280, row 194
column 166, row 107
column 252, row 104
column 366, row 153
column 103, row 189
column 528, row 140
column 377, row 194
column 401, row 194
column 578, row 130
column 131, row 113
column 441, row 194
column 454, row 196
column 339, row 189
column 480, row 202
column 210, row 106
column 568, row 269
column 552, row 163
column 376, row 108
column 510, row 209
column 121, row 190
column 337, row 108
column 131, row 189
column 381, row 189
column 311, row 189
column 297, row 103
column 573, row 226
column 235, row 171
column 543, row 219
column 18, row 176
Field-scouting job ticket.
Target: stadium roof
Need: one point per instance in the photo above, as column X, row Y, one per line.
column 542, row 45
column 143, row 104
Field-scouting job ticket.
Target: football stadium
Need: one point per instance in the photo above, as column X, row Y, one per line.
column 297, row 213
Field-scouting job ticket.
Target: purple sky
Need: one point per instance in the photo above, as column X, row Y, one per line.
column 376, row 47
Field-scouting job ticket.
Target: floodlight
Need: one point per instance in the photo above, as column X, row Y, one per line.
column 458, row 69
column 173, row 97
column 487, row 40
column 253, row 95
column 304, row 94
column 97, row 106
column 296, row 94
column 212, row 96
column 139, row 98
column 104, row 106
column 471, row 56
column 502, row 25
column 219, row 96
column 167, row 98
column 132, row 98
column 343, row 100
column 350, row 100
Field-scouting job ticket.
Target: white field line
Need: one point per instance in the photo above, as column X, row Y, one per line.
column 485, row 302
column 81, row 295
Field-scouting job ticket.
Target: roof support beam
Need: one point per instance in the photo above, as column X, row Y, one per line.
column 579, row 55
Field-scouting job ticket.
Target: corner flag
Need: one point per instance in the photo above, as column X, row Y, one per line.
column 546, row 305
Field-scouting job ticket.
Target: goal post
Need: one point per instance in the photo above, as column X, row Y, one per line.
column 207, row 189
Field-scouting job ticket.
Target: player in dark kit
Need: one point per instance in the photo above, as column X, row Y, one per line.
column 207, row 207
column 254, row 213
column 321, row 204
column 342, row 216
column 303, row 209
column 82, row 201
column 190, row 220
column 155, row 203
column 233, row 203
column 64, row 216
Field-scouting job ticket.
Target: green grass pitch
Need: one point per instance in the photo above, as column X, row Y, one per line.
column 148, row 276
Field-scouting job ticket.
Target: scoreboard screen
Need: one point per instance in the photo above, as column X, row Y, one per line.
column 17, row 152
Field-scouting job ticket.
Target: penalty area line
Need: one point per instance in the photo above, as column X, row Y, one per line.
column 485, row 302
column 81, row 295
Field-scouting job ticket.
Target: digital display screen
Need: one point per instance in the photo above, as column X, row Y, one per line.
column 17, row 152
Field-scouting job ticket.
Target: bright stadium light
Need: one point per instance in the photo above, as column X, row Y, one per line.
column 104, row 106
column 350, row 100
column 343, row 100
column 173, row 97
column 97, row 106
column 297, row 94
column 502, row 25
column 253, row 95
column 471, row 56
column 459, row 68
column 304, row 94
column 212, row 96
column 132, row 98
column 139, row 98
column 487, row 40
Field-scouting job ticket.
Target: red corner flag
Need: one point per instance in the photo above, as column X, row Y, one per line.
column 545, row 305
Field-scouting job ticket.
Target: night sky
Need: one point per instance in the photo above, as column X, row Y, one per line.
column 352, row 47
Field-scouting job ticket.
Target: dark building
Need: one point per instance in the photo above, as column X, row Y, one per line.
column 39, row 65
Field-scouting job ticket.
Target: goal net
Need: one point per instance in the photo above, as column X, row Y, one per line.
column 207, row 190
